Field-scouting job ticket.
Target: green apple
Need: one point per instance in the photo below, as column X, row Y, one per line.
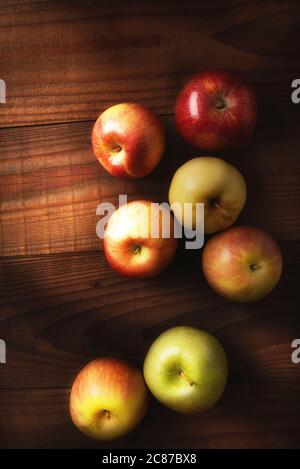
column 186, row 369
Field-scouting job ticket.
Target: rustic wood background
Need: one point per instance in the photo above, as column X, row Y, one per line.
column 64, row 62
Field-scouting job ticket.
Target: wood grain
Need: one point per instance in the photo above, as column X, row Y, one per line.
column 60, row 303
column 67, row 61
column 23, row 411
column 51, row 185
column 40, row 303
column 40, row 307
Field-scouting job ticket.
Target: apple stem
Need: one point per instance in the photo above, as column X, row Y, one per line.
column 254, row 267
column 223, row 210
column 137, row 249
column 117, row 149
column 220, row 104
column 186, row 378
column 107, row 414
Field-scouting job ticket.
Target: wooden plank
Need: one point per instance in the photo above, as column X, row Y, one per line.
column 58, row 311
column 68, row 64
column 63, row 63
column 51, row 184
column 39, row 418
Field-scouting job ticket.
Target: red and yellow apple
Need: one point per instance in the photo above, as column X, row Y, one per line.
column 214, row 182
column 108, row 399
column 216, row 110
column 131, row 245
column 242, row 263
column 128, row 140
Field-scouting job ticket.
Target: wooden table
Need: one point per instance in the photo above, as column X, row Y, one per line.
column 63, row 63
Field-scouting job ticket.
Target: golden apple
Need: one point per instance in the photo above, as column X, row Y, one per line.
column 213, row 182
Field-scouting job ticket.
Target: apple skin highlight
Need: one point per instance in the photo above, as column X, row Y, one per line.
column 216, row 110
column 128, row 140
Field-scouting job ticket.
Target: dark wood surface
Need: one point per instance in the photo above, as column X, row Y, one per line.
column 60, row 304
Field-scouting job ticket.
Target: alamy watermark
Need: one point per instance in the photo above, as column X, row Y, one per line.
column 2, row 342
column 2, row 351
column 2, row 92
column 296, row 353
column 161, row 223
column 295, row 96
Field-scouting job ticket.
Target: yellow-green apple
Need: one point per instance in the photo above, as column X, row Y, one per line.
column 128, row 140
column 139, row 239
column 242, row 263
column 214, row 182
column 216, row 110
column 186, row 369
column 108, row 398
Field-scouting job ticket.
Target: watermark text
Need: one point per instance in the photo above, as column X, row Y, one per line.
column 295, row 96
column 2, row 92
column 296, row 353
column 2, row 351
column 154, row 222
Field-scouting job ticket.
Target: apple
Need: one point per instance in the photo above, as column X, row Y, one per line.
column 215, row 183
column 128, row 140
column 108, row 399
column 216, row 110
column 186, row 369
column 129, row 243
column 242, row 263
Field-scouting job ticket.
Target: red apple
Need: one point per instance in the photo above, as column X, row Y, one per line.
column 128, row 140
column 108, row 399
column 242, row 263
column 129, row 245
column 216, row 110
